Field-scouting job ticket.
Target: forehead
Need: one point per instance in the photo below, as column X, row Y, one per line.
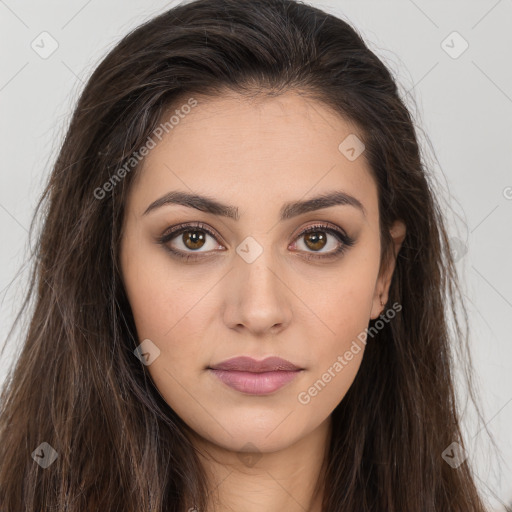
column 255, row 149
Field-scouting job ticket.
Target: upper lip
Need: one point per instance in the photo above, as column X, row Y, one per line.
column 248, row 364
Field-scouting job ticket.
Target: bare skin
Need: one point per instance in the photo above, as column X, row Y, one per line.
column 262, row 453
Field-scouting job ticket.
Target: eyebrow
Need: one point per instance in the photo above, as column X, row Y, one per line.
column 288, row 210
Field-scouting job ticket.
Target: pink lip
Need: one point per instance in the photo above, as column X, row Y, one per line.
column 255, row 377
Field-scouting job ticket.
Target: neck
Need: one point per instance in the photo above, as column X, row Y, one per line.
column 290, row 479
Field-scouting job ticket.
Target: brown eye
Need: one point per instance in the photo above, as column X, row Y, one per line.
column 322, row 241
column 190, row 241
column 193, row 239
column 315, row 240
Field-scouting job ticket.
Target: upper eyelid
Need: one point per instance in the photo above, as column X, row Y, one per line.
column 176, row 230
column 203, row 227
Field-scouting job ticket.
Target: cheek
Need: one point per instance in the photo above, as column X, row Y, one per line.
column 343, row 302
column 155, row 293
column 336, row 358
column 338, row 340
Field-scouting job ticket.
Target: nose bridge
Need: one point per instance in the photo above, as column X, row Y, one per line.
column 257, row 265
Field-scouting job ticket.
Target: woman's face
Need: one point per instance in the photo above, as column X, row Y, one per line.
column 256, row 286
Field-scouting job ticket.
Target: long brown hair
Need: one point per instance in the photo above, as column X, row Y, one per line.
column 77, row 384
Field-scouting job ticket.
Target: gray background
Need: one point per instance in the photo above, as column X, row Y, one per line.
column 464, row 104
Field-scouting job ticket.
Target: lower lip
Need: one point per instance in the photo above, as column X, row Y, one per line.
column 256, row 383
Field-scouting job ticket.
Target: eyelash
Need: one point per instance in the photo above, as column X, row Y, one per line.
column 342, row 237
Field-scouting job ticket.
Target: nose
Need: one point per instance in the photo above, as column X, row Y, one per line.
column 258, row 297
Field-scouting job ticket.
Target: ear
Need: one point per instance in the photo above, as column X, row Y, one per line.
column 397, row 232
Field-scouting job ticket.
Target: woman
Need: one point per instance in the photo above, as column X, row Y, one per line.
column 241, row 284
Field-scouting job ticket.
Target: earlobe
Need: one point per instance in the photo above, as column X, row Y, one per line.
column 398, row 232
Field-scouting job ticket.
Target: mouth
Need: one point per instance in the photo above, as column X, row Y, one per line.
column 254, row 377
